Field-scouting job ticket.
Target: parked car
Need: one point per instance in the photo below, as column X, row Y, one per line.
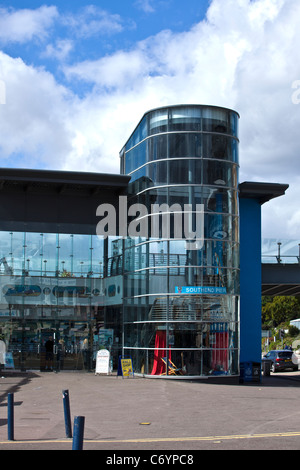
column 281, row 360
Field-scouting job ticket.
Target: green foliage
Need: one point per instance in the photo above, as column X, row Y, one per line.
column 293, row 331
column 280, row 309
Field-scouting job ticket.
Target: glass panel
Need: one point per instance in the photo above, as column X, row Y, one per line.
column 157, row 172
column 185, row 171
column 35, row 254
column 220, row 147
column 180, row 195
column 139, row 134
column 157, row 147
column 158, row 121
column 184, row 145
column 220, row 200
column 219, row 173
column 129, row 162
column 216, row 120
column 49, row 254
column 138, row 181
column 136, row 157
column 234, row 122
column 217, row 226
column 182, row 118
column 215, row 359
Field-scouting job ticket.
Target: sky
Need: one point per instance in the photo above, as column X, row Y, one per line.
column 76, row 77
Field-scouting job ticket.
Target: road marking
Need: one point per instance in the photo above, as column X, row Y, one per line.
column 162, row 439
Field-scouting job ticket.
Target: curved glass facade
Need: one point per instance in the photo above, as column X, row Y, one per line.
column 181, row 299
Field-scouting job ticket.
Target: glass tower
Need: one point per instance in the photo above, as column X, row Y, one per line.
column 181, row 297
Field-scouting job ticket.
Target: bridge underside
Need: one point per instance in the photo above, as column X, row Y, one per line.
column 280, row 279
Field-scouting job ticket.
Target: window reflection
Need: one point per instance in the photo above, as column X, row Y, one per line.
column 184, row 145
column 50, row 254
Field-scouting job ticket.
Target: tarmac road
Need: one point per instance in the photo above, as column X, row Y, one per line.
column 155, row 415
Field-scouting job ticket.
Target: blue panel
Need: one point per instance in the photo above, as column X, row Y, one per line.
column 250, row 280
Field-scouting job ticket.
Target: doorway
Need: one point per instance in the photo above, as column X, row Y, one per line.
column 48, row 349
column 71, row 348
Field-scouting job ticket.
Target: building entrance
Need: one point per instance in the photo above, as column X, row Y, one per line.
column 47, row 349
column 47, row 345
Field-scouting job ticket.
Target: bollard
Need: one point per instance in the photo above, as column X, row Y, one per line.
column 66, row 402
column 78, row 433
column 10, row 416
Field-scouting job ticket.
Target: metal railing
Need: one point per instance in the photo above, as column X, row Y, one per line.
column 279, row 258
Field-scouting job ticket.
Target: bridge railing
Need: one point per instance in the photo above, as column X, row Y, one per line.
column 281, row 258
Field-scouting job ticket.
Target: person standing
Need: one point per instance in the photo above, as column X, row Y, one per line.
column 49, row 353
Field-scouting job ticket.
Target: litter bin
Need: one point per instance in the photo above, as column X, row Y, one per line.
column 266, row 368
column 256, row 371
column 250, row 372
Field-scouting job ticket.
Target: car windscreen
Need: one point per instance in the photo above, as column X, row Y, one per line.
column 285, row 354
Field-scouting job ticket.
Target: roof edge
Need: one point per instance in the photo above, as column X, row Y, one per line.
column 62, row 176
column 261, row 191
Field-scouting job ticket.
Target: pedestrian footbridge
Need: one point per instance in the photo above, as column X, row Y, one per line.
column 280, row 267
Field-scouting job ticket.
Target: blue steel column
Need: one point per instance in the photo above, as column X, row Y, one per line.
column 250, row 280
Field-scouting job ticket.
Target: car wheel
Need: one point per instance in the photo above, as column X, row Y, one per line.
column 273, row 369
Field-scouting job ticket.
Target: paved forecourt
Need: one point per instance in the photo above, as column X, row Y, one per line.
column 141, row 414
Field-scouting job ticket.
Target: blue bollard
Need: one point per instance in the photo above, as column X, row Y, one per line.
column 66, row 402
column 10, row 416
column 78, row 433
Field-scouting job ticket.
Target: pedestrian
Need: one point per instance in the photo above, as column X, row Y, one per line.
column 49, row 353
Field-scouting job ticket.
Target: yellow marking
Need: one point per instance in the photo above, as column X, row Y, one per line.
column 163, row 439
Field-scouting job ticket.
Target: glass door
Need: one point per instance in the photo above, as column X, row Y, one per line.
column 47, row 349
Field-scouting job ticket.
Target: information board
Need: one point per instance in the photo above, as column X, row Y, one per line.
column 9, row 361
column 126, row 366
column 103, row 362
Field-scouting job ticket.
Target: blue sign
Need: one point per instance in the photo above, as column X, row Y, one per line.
column 200, row 290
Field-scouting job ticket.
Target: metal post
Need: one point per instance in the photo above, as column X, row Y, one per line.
column 78, row 433
column 278, row 255
column 66, row 402
column 10, row 416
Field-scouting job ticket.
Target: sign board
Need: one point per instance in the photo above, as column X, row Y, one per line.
column 103, row 362
column 126, row 366
column 200, row 290
column 9, row 361
column 2, row 352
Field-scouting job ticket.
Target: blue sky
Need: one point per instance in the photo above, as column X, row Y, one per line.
column 78, row 30
column 76, row 77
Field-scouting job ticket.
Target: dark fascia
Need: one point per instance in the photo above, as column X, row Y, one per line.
column 263, row 192
column 54, row 177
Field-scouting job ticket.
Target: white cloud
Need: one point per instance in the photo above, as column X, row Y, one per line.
column 244, row 56
column 60, row 50
column 24, row 25
column 93, row 20
column 34, row 122
column 145, row 5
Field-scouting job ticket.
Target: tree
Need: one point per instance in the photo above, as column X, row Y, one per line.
column 279, row 309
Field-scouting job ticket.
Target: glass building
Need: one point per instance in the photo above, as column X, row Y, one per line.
column 57, row 277
column 175, row 285
column 181, row 297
